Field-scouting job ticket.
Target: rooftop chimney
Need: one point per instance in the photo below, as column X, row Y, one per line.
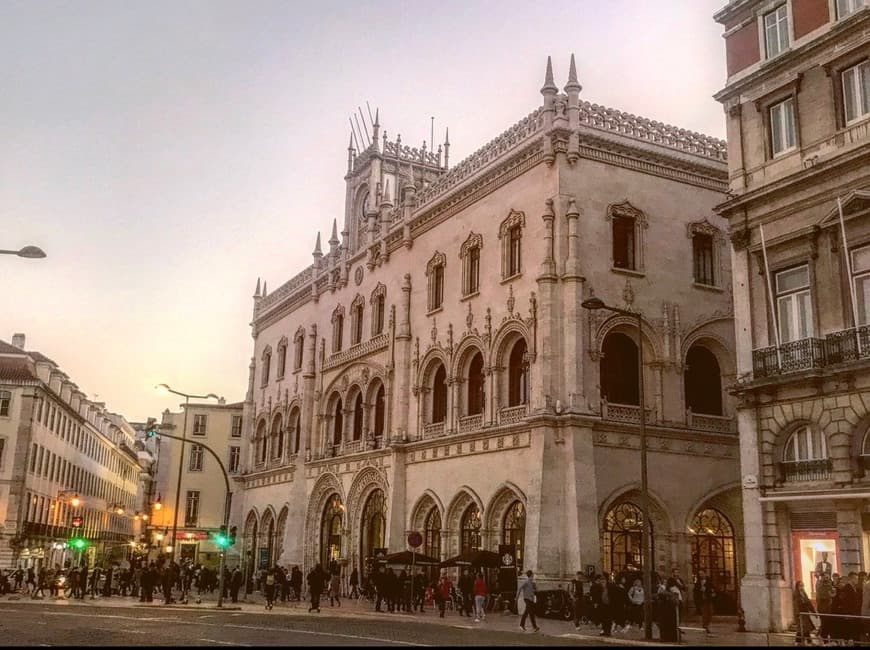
column 18, row 340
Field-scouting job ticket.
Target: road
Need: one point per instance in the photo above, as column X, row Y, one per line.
column 42, row 624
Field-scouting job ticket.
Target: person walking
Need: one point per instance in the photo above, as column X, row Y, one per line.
column 466, row 586
column 335, row 590
column 269, row 584
column 480, row 592
column 704, row 594
column 577, row 596
column 603, row 595
column 526, row 594
column 316, row 578
column 802, row 608
column 296, row 582
column 442, row 593
column 635, row 599
column 824, row 604
column 354, row 583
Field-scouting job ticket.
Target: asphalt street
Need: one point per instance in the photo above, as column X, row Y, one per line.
column 39, row 624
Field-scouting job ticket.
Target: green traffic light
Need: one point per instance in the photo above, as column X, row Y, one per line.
column 222, row 540
column 79, row 543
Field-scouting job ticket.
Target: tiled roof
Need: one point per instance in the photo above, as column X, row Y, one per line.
column 6, row 348
column 15, row 369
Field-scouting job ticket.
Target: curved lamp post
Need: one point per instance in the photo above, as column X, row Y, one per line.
column 646, row 545
column 30, row 252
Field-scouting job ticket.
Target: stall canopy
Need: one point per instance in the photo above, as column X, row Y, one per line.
column 407, row 558
column 480, row 558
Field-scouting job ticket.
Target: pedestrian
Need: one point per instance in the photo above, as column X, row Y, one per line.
column 824, row 604
column 316, row 579
column 603, row 595
column 696, row 591
column 636, row 598
column 269, row 584
column 235, row 584
column 283, row 583
column 391, row 589
column 705, row 594
column 354, row 583
column 41, row 580
column 31, row 580
column 335, row 589
column 419, row 588
column 620, row 606
column 681, row 585
column 526, row 594
column 296, row 582
column 802, row 607
column 466, row 586
column 480, row 592
column 442, row 594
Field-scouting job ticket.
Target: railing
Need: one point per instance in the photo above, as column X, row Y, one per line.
column 470, row 423
column 716, row 423
column 625, row 412
column 352, row 447
column 848, row 345
column 513, row 414
column 793, row 356
column 433, row 430
column 806, row 470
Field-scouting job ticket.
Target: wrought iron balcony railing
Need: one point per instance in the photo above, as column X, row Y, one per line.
column 848, row 345
column 806, row 470
column 793, row 356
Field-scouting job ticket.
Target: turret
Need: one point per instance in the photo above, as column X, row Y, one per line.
column 333, row 242
column 446, row 148
column 376, row 127
column 317, row 254
column 350, row 154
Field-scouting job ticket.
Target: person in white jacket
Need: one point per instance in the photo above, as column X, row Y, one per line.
column 526, row 595
column 636, row 597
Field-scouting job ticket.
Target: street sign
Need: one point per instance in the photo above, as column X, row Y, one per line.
column 415, row 539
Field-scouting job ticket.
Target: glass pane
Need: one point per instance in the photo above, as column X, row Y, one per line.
column 861, row 259
column 796, row 278
column 865, row 87
column 789, row 138
column 862, row 294
column 804, row 315
column 801, row 439
column 786, row 332
column 849, row 103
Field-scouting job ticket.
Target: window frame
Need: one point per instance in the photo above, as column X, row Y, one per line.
column 337, row 329
column 236, row 432
column 191, row 514
column 298, row 349
column 793, row 294
column 195, row 460
column 772, row 128
column 435, row 274
column 282, row 358
column 5, row 403
column 200, row 419
column 862, row 96
column 838, row 15
column 809, row 432
column 787, row 19
column 234, row 456
column 469, row 254
column 510, row 233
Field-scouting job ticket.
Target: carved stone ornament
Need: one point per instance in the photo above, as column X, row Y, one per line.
column 510, row 300
column 434, row 332
column 469, row 318
column 358, row 275
column 703, row 227
column 628, row 292
column 740, row 238
column 450, row 336
column 487, row 328
column 473, row 240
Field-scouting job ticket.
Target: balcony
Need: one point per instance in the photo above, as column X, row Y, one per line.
column 470, row 423
column 848, row 345
column 433, row 430
column 625, row 412
column 714, row 423
column 805, row 470
column 513, row 414
column 838, row 347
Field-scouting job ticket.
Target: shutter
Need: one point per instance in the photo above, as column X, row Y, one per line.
column 814, row 521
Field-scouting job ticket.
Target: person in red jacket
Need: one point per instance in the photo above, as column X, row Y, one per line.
column 442, row 593
column 479, row 590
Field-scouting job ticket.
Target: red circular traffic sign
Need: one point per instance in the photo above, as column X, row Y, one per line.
column 415, row 539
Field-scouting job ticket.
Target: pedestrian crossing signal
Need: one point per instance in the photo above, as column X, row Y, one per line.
column 222, row 539
column 151, row 428
column 76, row 522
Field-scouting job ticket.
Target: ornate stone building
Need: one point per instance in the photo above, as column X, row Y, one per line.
column 434, row 370
column 798, row 111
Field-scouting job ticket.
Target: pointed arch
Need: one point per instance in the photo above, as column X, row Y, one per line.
column 421, row 508
column 504, row 495
column 325, row 486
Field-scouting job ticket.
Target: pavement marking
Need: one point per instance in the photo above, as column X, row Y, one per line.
column 246, row 645
column 335, row 634
column 208, row 616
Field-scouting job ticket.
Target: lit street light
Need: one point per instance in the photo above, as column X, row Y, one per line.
column 646, row 545
column 30, row 252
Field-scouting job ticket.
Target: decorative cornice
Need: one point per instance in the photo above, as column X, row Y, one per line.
column 366, row 348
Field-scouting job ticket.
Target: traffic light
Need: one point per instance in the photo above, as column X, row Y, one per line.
column 232, row 536
column 221, row 538
column 151, row 428
column 76, row 521
column 78, row 543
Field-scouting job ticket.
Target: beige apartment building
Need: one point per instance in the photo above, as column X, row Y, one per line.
column 201, row 493
column 433, row 370
column 62, row 457
column 797, row 100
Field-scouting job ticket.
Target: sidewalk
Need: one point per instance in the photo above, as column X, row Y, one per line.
column 723, row 628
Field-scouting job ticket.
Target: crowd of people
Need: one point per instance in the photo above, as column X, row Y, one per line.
column 838, row 600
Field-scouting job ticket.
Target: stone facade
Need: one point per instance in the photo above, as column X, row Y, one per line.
column 467, row 402
column 802, row 370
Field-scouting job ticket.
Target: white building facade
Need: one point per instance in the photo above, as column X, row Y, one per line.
column 434, row 371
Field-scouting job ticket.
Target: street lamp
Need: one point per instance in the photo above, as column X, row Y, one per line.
column 646, row 545
column 30, row 252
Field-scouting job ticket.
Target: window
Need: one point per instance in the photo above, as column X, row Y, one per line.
column 5, row 399
column 267, row 362
column 793, row 304
column 702, row 254
column 856, row 91
column 510, row 232
column 514, row 530
column 476, row 385
column 356, row 318
column 776, row 31
column 33, row 458
column 432, row 537
column 199, row 422
column 195, row 458
column 435, row 273
column 337, row 424
column 358, row 417
column 623, row 243
column 2, row 447
column 782, row 127
column 703, row 381
column 518, row 375
column 619, row 378
column 848, row 7
column 191, row 511
column 282, row 357
column 469, row 253
column 861, row 278
column 298, row 348
column 378, row 307
column 233, row 462
column 806, row 443
column 470, row 529
column 515, row 241
column 237, row 427
column 379, row 412
column 261, row 442
column 337, row 329
column 295, row 430
column 277, row 436
column 439, row 395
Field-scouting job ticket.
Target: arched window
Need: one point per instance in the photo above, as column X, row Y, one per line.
column 469, row 527
column 295, row 429
column 439, row 395
column 330, row 531
column 510, row 233
column 380, row 410
column 267, row 363
column 619, row 369
column 518, row 375
column 435, row 274
column 282, row 357
column 805, row 456
column 298, row 347
column 261, row 442
column 337, row 423
column 713, row 551
column 432, row 537
column 514, row 529
column 475, row 385
column 373, row 524
column 337, row 328
column 356, row 317
column 469, row 253
column 623, row 530
column 358, row 417
column 703, row 381
column 378, row 302
column 277, row 436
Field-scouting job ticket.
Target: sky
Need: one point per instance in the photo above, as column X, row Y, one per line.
column 166, row 154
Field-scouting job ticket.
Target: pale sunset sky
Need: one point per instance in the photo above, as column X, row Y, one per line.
column 167, row 153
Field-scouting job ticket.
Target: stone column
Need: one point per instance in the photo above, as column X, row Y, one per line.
column 402, row 370
column 572, row 330
column 543, row 392
column 307, row 415
column 849, row 529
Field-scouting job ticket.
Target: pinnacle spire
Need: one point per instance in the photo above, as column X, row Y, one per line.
column 377, row 117
column 257, row 290
column 264, row 288
column 549, row 84
column 573, row 84
column 317, row 250
column 334, row 238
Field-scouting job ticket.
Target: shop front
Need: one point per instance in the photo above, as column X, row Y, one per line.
column 815, row 553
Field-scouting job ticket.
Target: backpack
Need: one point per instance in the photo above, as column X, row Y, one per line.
column 270, row 579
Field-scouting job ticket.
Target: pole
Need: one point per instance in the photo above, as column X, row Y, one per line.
column 223, row 564
column 646, row 545
column 770, row 298
column 848, row 260
column 178, row 484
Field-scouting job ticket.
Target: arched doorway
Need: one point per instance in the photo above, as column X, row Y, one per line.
column 514, row 529
column 619, row 378
column 469, row 527
column 622, row 535
column 713, row 551
column 439, row 395
column 249, row 544
column 337, row 423
column 703, row 381
column 518, row 375
column 475, row 385
column 330, row 531
column 373, row 525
